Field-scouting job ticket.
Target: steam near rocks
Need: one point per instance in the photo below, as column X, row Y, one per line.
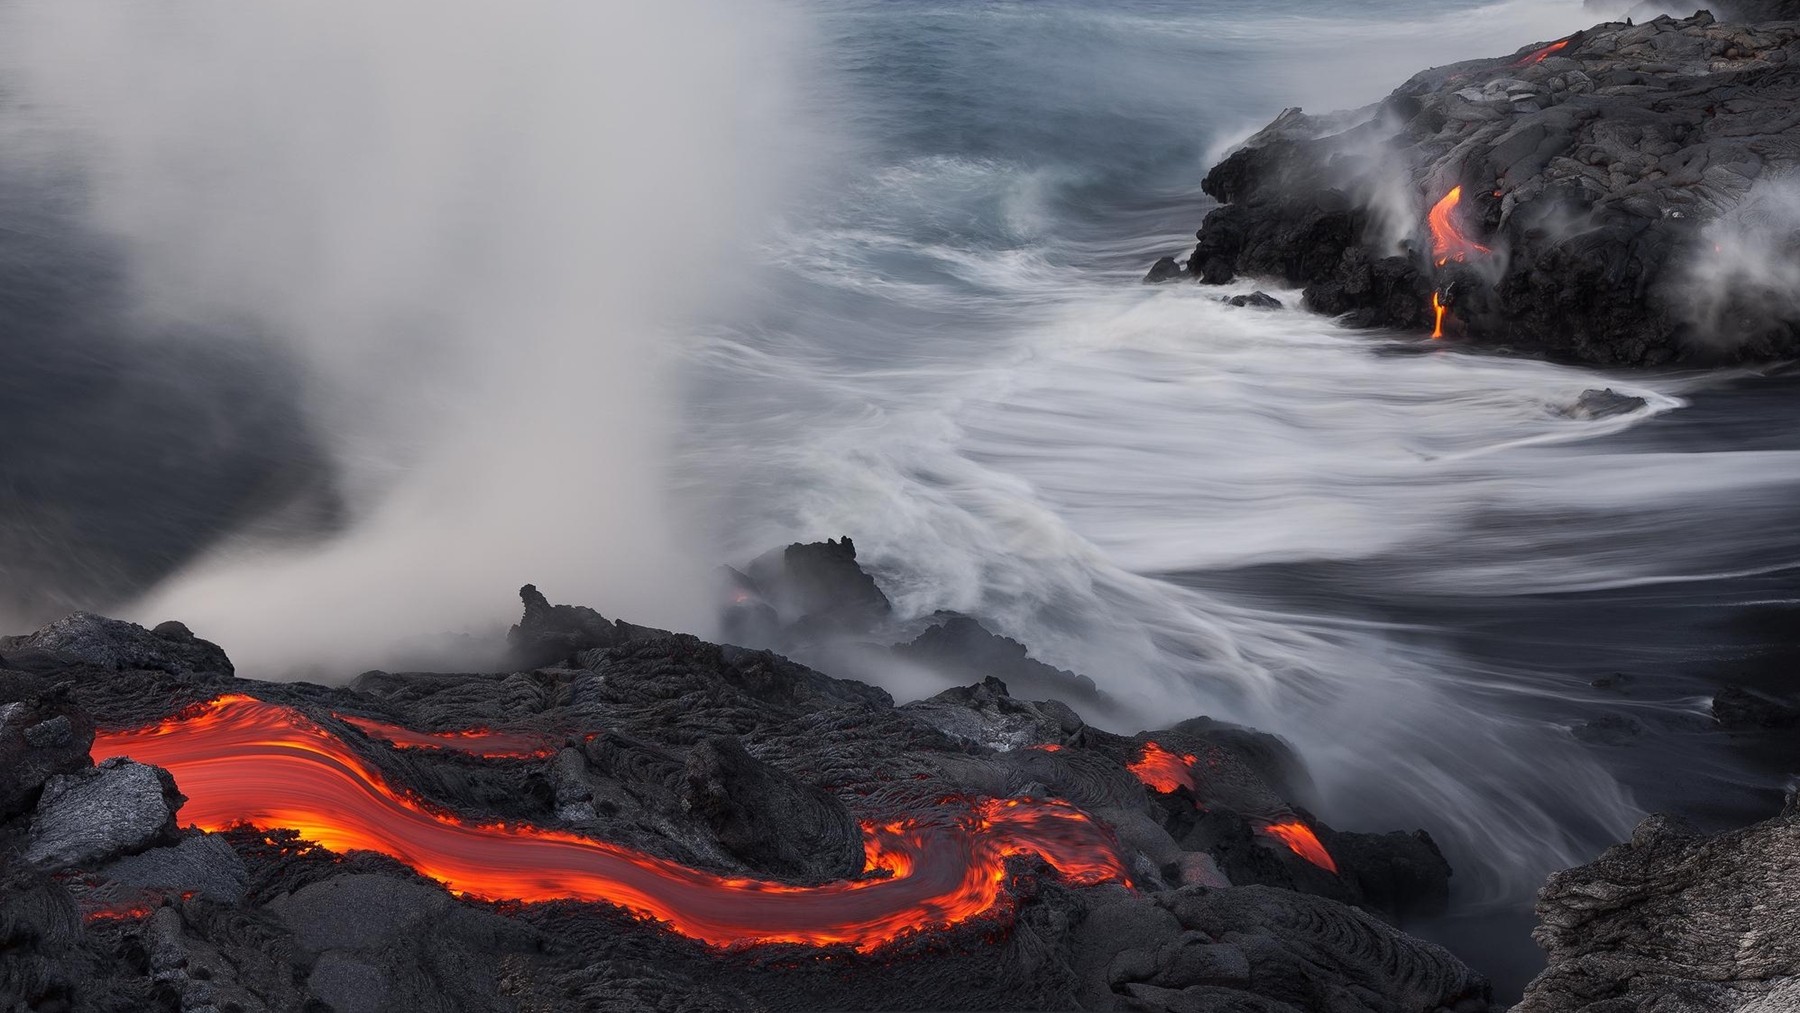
column 1629, row 180
column 454, row 221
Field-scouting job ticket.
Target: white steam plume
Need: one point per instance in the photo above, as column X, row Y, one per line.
column 477, row 226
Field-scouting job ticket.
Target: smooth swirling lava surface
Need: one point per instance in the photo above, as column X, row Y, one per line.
column 240, row 760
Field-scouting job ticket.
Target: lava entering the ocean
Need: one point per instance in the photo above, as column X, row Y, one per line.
column 240, row 760
column 1165, row 771
column 1437, row 309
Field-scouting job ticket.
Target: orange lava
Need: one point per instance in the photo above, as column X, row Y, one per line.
column 483, row 742
column 1303, row 842
column 1447, row 240
column 1437, row 308
column 240, row 761
column 1164, row 771
column 1539, row 56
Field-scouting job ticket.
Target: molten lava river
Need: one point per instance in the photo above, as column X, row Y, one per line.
column 244, row 761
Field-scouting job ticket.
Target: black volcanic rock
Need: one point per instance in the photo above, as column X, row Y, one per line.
column 1163, row 270
column 770, row 820
column 1602, row 404
column 84, row 638
column 1738, row 709
column 730, row 762
column 1675, row 921
column 40, row 736
column 548, row 634
column 1256, row 301
column 818, row 588
column 962, row 648
column 116, row 808
column 1623, row 178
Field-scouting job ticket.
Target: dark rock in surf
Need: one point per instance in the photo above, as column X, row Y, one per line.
column 1620, row 178
column 1735, row 708
column 1603, row 404
column 819, row 589
column 1163, row 270
column 1675, row 921
column 962, row 648
column 1255, row 300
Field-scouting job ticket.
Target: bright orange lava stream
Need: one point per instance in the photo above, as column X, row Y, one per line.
column 483, row 742
column 1539, row 56
column 1165, row 771
column 240, row 760
column 1447, row 241
column 1437, row 308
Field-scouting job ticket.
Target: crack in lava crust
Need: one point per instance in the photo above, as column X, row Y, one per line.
column 241, row 760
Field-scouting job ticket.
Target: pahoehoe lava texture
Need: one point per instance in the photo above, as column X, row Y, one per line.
column 1608, row 183
column 765, row 789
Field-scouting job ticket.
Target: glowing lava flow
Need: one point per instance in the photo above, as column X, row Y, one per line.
column 1539, row 56
column 1303, row 842
column 1437, row 309
column 1165, row 771
column 484, row 742
column 240, row 760
column 1447, row 241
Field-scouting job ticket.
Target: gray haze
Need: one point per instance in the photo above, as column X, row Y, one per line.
column 478, row 228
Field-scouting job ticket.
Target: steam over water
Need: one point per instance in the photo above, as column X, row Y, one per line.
column 901, row 290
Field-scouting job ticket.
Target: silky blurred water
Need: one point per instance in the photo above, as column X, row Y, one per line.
column 1389, row 552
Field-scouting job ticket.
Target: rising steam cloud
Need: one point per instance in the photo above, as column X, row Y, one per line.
column 478, row 227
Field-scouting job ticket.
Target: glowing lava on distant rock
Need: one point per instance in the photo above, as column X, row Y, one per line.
column 1303, row 842
column 483, row 742
column 244, row 761
column 1540, row 55
column 1448, row 242
column 1165, row 771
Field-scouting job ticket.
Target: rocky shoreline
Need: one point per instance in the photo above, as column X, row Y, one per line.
column 1622, row 196
column 731, row 766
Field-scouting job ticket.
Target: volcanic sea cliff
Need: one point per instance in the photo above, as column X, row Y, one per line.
column 1621, row 196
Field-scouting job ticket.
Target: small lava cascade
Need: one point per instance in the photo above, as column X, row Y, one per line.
column 1165, row 771
column 1448, row 243
column 1540, row 55
column 1303, row 842
column 244, row 761
column 484, row 742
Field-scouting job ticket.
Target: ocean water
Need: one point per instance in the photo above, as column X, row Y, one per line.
column 1403, row 557
column 366, row 317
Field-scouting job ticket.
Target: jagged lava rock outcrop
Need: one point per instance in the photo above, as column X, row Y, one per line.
column 734, row 763
column 1676, row 922
column 1624, row 197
